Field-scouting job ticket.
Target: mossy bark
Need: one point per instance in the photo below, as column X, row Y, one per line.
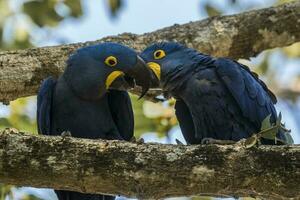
column 235, row 36
column 149, row 170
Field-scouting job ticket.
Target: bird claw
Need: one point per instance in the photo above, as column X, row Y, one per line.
column 66, row 134
column 138, row 141
column 215, row 141
column 133, row 139
column 207, row 141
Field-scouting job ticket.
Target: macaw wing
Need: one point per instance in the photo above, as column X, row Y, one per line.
column 255, row 100
column 212, row 109
column 44, row 104
column 185, row 120
column 122, row 113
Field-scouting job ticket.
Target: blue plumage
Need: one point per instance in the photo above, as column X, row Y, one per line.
column 84, row 101
column 216, row 97
column 44, row 99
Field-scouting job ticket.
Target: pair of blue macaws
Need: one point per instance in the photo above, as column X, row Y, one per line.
column 215, row 97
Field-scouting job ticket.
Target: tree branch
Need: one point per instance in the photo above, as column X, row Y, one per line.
column 149, row 170
column 236, row 36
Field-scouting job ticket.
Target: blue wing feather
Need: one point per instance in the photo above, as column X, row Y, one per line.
column 227, row 101
column 251, row 94
column 185, row 120
column 121, row 110
column 44, row 104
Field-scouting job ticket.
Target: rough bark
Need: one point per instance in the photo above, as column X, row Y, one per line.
column 236, row 36
column 149, row 170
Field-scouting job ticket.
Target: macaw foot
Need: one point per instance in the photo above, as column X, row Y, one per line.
column 138, row 141
column 215, row 141
column 66, row 134
column 178, row 142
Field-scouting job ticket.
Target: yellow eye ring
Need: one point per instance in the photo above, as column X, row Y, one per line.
column 111, row 61
column 158, row 54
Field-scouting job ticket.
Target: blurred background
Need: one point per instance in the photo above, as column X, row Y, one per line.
column 26, row 23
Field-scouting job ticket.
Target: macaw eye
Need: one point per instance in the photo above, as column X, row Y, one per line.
column 158, row 54
column 111, row 61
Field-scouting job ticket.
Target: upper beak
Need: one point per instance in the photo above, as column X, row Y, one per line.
column 142, row 75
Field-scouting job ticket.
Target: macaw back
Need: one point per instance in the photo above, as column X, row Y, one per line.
column 225, row 101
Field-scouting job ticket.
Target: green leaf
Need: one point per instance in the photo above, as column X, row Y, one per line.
column 287, row 133
column 269, row 133
column 267, row 130
column 266, row 123
column 251, row 141
column 288, row 138
column 278, row 120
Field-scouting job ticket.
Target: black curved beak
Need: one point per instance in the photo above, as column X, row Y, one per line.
column 142, row 75
column 122, row 83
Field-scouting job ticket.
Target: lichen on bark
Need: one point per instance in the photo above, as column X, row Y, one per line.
column 149, row 170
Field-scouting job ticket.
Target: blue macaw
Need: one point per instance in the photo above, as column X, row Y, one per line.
column 216, row 98
column 88, row 99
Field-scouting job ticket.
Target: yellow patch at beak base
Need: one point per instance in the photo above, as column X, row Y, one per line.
column 111, row 77
column 155, row 68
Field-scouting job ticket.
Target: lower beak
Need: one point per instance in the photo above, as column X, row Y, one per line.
column 122, row 83
column 155, row 68
column 142, row 75
column 156, row 72
column 112, row 77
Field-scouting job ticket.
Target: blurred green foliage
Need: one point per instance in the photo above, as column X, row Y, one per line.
column 141, row 124
column 162, row 114
column 19, row 117
column 114, row 7
column 43, row 13
column 5, row 191
column 21, row 20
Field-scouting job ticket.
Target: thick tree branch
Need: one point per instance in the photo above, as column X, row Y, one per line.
column 236, row 36
column 149, row 170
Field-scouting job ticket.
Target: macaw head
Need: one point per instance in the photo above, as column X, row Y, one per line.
column 169, row 61
column 91, row 71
